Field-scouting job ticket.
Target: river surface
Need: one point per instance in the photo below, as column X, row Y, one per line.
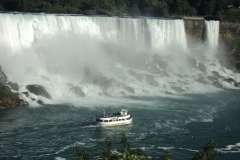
column 181, row 124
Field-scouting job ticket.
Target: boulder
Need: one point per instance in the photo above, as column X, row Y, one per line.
column 129, row 89
column 78, row 91
column 138, row 76
column 70, row 85
column 15, row 86
column 38, row 90
column 26, row 94
column 178, row 89
column 217, row 84
column 151, row 81
column 122, row 93
column 202, row 68
column 216, row 74
column 40, row 102
column 192, row 61
column 103, row 82
column 202, row 80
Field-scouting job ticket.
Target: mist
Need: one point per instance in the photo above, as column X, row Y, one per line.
column 110, row 56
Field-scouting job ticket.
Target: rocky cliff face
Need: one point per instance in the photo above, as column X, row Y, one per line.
column 229, row 31
column 194, row 28
column 7, row 97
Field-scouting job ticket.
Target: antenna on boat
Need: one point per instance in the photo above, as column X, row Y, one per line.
column 103, row 112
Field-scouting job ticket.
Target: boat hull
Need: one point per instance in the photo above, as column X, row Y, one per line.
column 115, row 123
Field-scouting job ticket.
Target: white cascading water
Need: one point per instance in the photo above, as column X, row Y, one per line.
column 212, row 33
column 103, row 56
column 167, row 32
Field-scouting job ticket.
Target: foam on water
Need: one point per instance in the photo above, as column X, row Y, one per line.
column 230, row 149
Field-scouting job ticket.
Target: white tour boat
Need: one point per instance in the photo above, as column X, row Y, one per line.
column 114, row 119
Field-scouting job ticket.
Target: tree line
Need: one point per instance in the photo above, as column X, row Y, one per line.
column 155, row 8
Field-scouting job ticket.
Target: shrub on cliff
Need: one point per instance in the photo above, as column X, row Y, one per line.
column 236, row 46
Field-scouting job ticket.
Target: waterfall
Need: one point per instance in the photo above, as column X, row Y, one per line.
column 103, row 55
column 167, row 32
column 212, row 33
column 21, row 30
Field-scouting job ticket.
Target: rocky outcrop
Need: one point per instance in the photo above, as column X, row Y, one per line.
column 38, row 90
column 14, row 86
column 129, row 89
column 11, row 102
column 3, row 77
column 77, row 90
column 7, row 97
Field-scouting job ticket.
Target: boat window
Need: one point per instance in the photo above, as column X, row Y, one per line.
column 116, row 119
column 105, row 120
column 119, row 119
column 129, row 117
column 98, row 120
column 110, row 120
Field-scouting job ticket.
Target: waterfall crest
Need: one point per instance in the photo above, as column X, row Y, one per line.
column 21, row 30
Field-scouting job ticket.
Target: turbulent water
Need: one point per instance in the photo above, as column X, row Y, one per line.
column 180, row 124
column 174, row 87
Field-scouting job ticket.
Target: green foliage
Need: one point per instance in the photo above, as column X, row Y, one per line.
column 208, row 152
column 81, row 153
column 166, row 156
column 231, row 15
column 236, row 46
column 5, row 92
column 107, row 151
column 128, row 7
column 127, row 151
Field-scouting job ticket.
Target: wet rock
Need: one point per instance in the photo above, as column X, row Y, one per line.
column 129, row 89
column 26, row 94
column 230, row 80
column 216, row 74
column 70, row 85
column 40, row 102
column 160, row 62
column 212, row 78
column 178, row 89
column 167, row 92
column 38, row 90
column 138, row 76
column 122, row 93
column 201, row 80
column 217, row 84
column 15, row 86
column 78, row 91
column 192, row 62
column 237, row 84
column 12, row 102
column 150, row 79
column 3, row 77
column 6, row 88
column 202, row 67
column 103, row 82
column 106, row 93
